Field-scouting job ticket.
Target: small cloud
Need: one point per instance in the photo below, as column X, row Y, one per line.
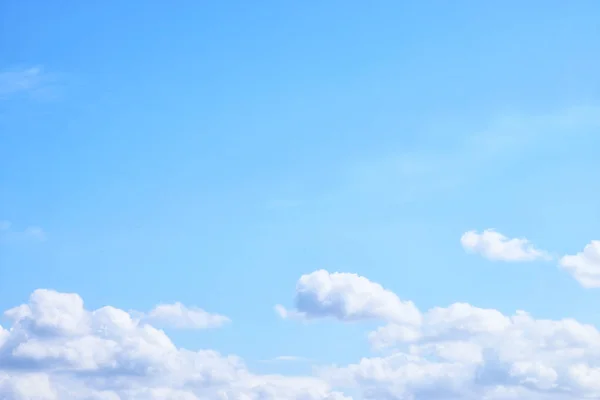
column 35, row 232
column 32, row 81
column 179, row 316
column 495, row 246
column 585, row 265
column 347, row 297
column 30, row 233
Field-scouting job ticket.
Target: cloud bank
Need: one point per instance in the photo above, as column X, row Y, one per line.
column 55, row 348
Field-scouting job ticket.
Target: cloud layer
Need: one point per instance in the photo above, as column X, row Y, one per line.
column 54, row 348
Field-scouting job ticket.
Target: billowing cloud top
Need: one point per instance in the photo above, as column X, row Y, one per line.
column 56, row 349
column 348, row 297
column 455, row 352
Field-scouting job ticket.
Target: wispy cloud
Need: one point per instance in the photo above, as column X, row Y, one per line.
column 280, row 359
column 7, row 232
column 31, row 81
column 430, row 169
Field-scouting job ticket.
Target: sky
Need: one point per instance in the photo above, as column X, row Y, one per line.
column 310, row 200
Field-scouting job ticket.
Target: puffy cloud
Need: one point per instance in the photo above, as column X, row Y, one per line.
column 57, row 349
column 495, row 246
column 584, row 266
column 179, row 316
column 461, row 352
column 26, row 387
column 481, row 354
column 348, row 297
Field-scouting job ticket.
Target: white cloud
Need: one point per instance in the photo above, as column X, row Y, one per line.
column 179, row 316
column 495, row 246
column 26, row 387
column 584, row 266
column 463, row 352
column 348, row 297
column 56, row 349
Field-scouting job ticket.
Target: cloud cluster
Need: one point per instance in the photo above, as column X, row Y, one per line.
column 56, row 349
column 456, row 352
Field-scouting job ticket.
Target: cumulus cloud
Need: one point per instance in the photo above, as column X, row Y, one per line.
column 179, row 316
column 495, row 246
column 57, row 349
column 463, row 352
column 584, row 266
column 348, row 297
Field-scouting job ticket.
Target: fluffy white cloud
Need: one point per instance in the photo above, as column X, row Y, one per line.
column 585, row 266
column 56, row 349
column 464, row 352
column 348, row 297
column 461, row 352
column 495, row 246
column 179, row 316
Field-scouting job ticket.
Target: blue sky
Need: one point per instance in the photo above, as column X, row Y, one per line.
column 212, row 153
